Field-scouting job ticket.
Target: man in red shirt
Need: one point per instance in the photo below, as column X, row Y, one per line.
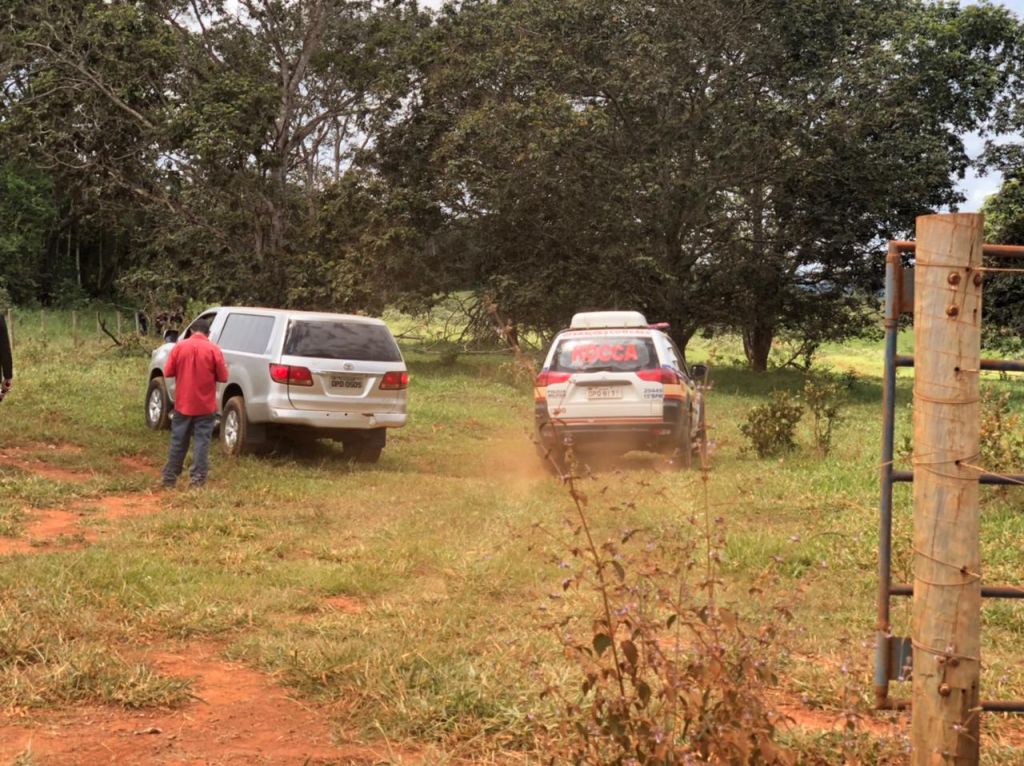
column 197, row 365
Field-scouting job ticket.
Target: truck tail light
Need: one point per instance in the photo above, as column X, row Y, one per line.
column 547, row 378
column 396, row 380
column 290, row 375
column 661, row 375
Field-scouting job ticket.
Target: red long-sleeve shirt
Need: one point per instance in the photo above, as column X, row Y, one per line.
column 197, row 365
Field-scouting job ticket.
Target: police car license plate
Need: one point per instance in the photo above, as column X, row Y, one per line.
column 604, row 392
column 346, row 382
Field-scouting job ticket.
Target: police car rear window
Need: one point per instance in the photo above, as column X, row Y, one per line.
column 606, row 353
column 358, row 341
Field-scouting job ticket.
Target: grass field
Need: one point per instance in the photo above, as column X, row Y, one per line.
column 407, row 600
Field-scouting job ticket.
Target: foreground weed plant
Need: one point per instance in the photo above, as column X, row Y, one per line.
column 667, row 674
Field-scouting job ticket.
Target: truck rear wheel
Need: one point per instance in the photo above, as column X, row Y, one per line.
column 365, row 447
column 158, row 405
column 234, row 428
column 368, row 454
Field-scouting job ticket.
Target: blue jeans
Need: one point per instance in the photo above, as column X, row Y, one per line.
column 200, row 429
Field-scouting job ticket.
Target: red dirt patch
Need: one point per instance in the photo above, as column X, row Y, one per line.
column 332, row 605
column 122, row 506
column 346, row 604
column 62, row 448
column 886, row 725
column 239, row 717
column 26, row 459
column 137, row 463
column 880, row 724
column 46, row 529
column 51, row 528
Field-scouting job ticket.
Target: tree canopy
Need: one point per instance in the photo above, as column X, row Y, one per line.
column 724, row 165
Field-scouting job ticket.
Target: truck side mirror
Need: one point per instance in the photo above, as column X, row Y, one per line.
column 699, row 372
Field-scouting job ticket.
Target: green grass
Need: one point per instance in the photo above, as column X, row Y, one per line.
column 450, row 547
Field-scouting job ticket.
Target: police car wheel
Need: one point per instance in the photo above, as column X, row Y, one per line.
column 684, row 446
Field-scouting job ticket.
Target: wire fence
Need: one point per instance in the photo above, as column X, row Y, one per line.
column 73, row 326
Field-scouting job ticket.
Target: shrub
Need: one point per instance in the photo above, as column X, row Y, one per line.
column 1002, row 437
column 824, row 397
column 771, row 427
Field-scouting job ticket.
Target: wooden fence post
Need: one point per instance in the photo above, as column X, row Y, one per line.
column 947, row 551
column 74, row 328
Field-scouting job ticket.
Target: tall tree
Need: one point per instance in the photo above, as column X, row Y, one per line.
column 221, row 132
column 855, row 169
column 1003, row 327
column 27, row 210
column 714, row 162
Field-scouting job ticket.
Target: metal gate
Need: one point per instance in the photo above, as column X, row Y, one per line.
column 892, row 653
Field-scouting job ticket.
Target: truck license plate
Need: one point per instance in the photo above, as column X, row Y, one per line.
column 346, row 382
column 604, row 392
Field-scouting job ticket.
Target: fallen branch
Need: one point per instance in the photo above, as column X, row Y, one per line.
column 103, row 326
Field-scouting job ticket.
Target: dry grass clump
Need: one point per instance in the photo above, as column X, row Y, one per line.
column 49, row 658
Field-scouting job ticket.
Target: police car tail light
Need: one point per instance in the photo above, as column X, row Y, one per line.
column 394, row 381
column 548, row 378
column 291, row 376
column 661, row 375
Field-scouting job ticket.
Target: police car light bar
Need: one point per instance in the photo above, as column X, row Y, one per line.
column 597, row 320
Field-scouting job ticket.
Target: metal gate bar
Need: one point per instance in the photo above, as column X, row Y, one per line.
column 890, row 650
column 987, row 591
column 983, row 478
column 994, row 365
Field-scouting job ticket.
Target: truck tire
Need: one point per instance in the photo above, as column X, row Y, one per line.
column 234, row 428
column 368, row 454
column 684, row 444
column 365, row 447
column 158, row 405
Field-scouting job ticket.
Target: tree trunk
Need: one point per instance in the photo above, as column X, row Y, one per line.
column 757, row 344
column 681, row 335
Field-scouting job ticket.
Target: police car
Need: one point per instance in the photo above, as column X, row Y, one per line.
column 615, row 383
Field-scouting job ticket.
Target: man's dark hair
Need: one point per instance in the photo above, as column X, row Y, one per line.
column 201, row 325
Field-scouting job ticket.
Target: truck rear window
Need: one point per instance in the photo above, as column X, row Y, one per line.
column 607, row 353
column 335, row 339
